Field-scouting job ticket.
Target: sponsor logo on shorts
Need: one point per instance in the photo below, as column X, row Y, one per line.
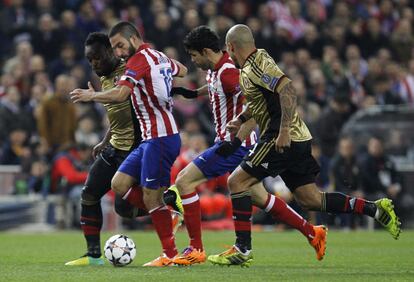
column 202, row 158
column 149, row 180
column 265, row 165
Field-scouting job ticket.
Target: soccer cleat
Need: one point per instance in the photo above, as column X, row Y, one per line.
column 177, row 204
column 160, row 261
column 86, row 260
column 387, row 217
column 177, row 220
column 190, row 256
column 232, row 256
column 319, row 241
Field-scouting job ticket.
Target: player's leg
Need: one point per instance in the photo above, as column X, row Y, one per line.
column 207, row 165
column 97, row 185
column 310, row 197
column 239, row 184
column 158, row 156
column 301, row 179
column 187, row 181
column 280, row 210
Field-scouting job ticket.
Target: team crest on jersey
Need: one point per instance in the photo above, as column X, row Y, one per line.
column 131, row 73
column 269, row 80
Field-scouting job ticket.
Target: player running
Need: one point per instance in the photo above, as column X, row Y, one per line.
column 227, row 102
column 284, row 149
column 122, row 136
column 147, row 79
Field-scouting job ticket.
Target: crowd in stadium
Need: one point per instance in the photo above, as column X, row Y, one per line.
column 342, row 56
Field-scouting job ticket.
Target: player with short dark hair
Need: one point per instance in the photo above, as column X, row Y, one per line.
column 122, row 136
column 147, row 80
column 284, row 149
column 227, row 102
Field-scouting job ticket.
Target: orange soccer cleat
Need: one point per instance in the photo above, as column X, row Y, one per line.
column 160, row 261
column 190, row 256
column 319, row 241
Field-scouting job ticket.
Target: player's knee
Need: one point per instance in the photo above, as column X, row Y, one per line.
column 88, row 199
column 152, row 199
column 234, row 183
column 184, row 183
column 118, row 186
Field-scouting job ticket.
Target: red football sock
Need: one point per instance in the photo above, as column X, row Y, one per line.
column 134, row 196
column 162, row 221
column 282, row 212
column 192, row 219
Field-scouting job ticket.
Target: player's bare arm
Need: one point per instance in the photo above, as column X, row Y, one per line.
column 114, row 95
column 288, row 100
column 183, row 69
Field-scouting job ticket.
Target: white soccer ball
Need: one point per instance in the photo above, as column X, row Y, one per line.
column 120, row 250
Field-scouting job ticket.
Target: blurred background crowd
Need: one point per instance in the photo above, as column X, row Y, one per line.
column 344, row 57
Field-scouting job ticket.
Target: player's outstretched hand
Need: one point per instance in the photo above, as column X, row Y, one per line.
column 82, row 95
column 282, row 142
column 233, row 126
column 187, row 93
column 228, row 148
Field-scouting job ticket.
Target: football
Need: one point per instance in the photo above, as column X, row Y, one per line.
column 120, row 250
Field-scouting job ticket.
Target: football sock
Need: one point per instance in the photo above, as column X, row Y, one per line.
column 192, row 219
column 340, row 203
column 91, row 224
column 162, row 221
column 242, row 214
column 284, row 213
column 134, row 196
column 169, row 197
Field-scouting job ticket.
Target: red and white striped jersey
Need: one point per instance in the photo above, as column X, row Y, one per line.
column 226, row 98
column 149, row 75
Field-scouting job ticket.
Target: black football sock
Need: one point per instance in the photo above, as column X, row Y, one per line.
column 91, row 224
column 340, row 203
column 242, row 213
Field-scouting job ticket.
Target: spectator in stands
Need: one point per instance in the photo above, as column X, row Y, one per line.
column 330, row 123
column 47, row 38
column 379, row 177
column 344, row 174
column 15, row 148
column 57, row 117
column 11, row 114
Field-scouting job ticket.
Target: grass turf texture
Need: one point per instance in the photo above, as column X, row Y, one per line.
column 356, row 256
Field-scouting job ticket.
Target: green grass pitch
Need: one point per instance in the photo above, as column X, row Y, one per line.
column 279, row 256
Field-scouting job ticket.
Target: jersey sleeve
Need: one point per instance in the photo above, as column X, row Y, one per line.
column 230, row 81
column 267, row 74
column 174, row 67
column 136, row 68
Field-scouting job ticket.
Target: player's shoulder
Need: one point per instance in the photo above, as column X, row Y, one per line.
column 137, row 58
column 263, row 59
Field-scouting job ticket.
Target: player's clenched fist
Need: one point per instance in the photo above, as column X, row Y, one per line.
column 234, row 125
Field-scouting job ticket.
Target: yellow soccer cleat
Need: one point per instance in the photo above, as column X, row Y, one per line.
column 232, row 256
column 387, row 217
column 178, row 204
column 86, row 260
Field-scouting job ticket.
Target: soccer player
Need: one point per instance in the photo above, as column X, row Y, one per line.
column 147, row 80
column 122, row 136
column 227, row 102
column 283, row 149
